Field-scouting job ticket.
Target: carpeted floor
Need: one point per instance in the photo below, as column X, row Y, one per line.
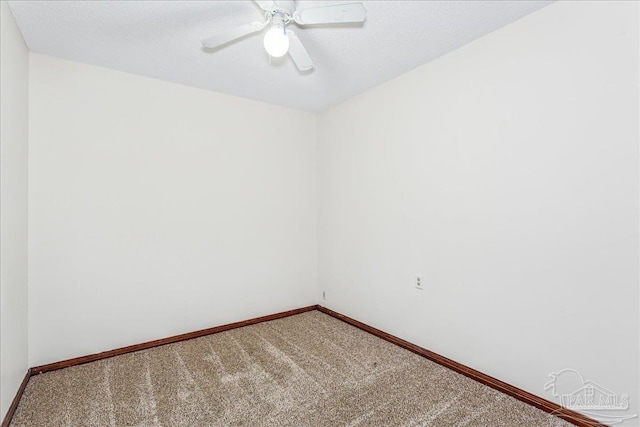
column 305, row 370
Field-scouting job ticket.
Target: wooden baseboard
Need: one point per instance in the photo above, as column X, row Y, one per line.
column 524, row 396
column 16, row 399
column 170, row 340
column 129, row 349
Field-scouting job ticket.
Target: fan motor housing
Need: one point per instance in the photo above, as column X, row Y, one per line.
column 284, row 6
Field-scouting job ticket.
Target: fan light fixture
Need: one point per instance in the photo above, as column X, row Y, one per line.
column 276, row 41
column 279, row 39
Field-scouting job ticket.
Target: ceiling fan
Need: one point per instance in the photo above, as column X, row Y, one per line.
column 280, row 39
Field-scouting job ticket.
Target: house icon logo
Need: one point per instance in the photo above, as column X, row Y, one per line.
column 573, row 392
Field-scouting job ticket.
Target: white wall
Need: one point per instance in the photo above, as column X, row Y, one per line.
column 505, row 172
column 14, row 128
column 158, row 209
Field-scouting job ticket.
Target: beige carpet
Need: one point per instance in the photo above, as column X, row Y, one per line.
column 305, row 370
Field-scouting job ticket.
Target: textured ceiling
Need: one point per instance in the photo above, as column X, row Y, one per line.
column 161, row 39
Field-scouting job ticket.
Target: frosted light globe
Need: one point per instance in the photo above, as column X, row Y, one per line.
column 276, row 42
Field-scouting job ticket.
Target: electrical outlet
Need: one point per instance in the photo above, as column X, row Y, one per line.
column 419, row 284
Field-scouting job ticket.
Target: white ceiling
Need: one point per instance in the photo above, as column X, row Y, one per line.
column 161, row 39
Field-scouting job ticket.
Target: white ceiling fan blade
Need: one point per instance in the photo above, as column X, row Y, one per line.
column 338, row 14
column 232, row 34
column 298, row 53
column 265, row 4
